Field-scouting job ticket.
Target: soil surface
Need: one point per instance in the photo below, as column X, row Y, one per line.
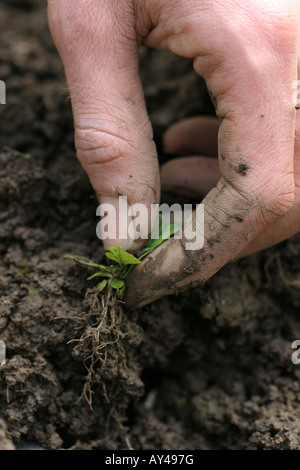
column 208, row 369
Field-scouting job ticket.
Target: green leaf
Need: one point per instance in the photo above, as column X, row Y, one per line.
column 86, row 262
column 165, row 232
column 99, row 274
column 120, row 256
column 117, row 283
column 101, row 286
column 120, row 292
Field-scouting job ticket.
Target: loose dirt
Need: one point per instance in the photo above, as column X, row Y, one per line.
column 208, row 369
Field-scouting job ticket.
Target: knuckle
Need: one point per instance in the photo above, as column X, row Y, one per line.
column 277, row 193
column 278, row 204
column 96, row 147
column 272, row 205
column 268, row 203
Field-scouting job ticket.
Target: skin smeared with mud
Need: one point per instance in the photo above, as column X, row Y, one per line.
column 160, row 276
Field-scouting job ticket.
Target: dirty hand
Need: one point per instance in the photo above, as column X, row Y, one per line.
column 248, row 54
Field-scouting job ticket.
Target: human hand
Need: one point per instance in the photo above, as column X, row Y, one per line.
column 248, row 55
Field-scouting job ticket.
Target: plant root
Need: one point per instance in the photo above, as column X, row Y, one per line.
column 97, row 338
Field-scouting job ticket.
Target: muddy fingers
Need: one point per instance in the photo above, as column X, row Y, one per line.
column 180, row 264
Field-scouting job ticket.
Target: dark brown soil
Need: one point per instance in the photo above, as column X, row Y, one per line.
column 209, row 369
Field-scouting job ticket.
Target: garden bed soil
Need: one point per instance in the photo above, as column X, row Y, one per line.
column 207, row 369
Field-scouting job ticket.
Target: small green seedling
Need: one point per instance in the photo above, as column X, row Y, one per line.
column 112, row 279
column 114, row 275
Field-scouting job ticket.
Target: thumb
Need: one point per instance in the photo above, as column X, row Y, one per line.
column 113, row 135
column 251, row 82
